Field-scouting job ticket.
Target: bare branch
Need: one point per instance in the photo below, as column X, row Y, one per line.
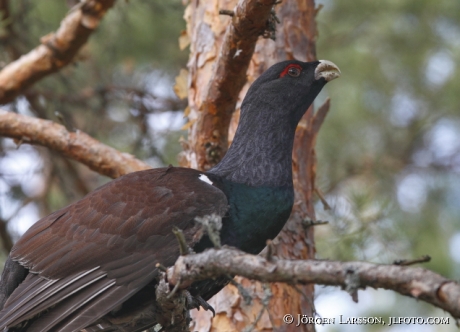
column 76, row 145
column 323, row 200
column 309, row 223
column 419, row 283
column 56, row 51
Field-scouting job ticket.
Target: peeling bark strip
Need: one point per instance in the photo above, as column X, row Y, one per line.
column 76, row 145
column 56, row 51
column 209, row 134
column 417, row 282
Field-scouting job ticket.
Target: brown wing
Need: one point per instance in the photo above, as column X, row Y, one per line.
column 93, row 255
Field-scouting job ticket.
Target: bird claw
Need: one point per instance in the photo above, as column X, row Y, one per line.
column 195, row 302
column 205, row 305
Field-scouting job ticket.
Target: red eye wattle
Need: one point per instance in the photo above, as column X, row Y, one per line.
column 292, row 70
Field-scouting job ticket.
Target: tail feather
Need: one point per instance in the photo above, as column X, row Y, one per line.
column 62, row 290
column 97, row 307
column 83, row 298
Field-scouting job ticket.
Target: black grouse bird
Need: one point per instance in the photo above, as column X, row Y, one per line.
column 92, row 258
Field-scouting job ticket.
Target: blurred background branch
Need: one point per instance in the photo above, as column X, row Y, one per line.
column 56, row 50
column 76, row 145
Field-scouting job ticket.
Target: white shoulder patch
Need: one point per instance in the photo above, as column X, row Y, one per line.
column 204, row 178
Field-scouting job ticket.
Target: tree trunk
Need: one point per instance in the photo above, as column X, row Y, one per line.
column 295, row 39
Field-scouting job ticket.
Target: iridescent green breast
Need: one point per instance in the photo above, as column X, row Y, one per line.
column 255, row 215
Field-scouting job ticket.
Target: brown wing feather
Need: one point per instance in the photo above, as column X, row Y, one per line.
column 115, row 235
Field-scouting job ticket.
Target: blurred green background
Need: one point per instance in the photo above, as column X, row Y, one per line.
column 388, row 153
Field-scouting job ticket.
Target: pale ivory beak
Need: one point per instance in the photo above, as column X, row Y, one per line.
column 328, row 70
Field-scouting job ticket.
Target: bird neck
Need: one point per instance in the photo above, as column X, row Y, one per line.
column 261, row 152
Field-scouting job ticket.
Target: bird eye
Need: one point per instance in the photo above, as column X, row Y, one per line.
column 294, row 72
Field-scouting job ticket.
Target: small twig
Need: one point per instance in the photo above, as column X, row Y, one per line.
column 317, row 10
column 306, row 298
column 406, row 262
column 243, row 292
column 265, row 302
column 63, row 121
column 322, row 199
column 176, row 287
column 309, row 222
column 227, row 12
column 320, row 115
column 161, row 267
column 271, row 250
column 18, row 142
column 183, row 247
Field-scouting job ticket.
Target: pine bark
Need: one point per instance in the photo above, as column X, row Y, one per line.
column 295, row 39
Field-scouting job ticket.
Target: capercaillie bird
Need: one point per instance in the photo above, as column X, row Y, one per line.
column 98, row 256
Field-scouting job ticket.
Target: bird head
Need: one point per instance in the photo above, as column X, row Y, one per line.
column 287, row 89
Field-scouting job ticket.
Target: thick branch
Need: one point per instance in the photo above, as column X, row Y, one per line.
column 419, row 283
column 56, row 51
column 76, row 145
column 229, row 75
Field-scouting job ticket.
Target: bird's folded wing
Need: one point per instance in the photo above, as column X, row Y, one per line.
column 93, row 255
